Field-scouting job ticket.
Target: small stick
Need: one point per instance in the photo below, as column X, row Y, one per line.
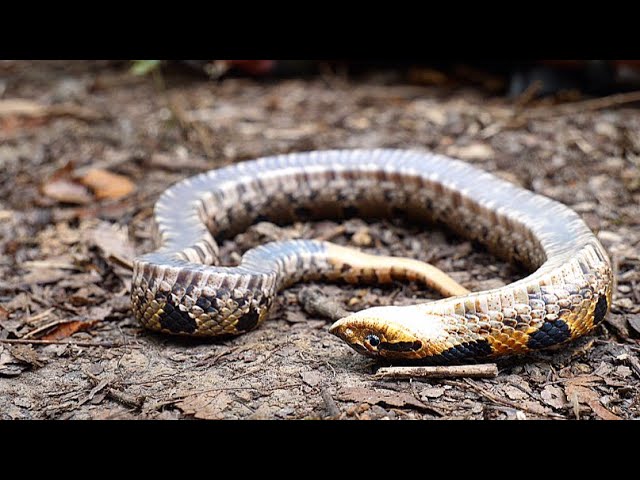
column 314, row 302
column 332, row 408
column 485, row 370
column 115, row 395
column 28, row 341
column 584, row 105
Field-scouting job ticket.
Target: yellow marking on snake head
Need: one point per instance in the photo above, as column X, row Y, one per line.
column 392, row 332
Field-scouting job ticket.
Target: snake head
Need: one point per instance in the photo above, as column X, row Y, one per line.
column 391, row 332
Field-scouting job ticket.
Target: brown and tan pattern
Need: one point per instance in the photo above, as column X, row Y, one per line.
column 177, row 290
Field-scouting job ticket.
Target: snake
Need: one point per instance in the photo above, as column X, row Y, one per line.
column 180, row 288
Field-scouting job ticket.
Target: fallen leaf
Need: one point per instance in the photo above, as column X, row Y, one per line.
column 535, row 407
column 9, row 366
column 584, row 380
column 4, row 313
column 311, row 378
column 514, row 393
column 112, row 240
column 623, row 371
column 26, row 354
column 107, row 185
column 295, row 316
column 554, row 396
column 431, row 392
column 67, row 191
column 206, row 406
column 634, row 322
column 592, row 399
column 619, row 324
column 379, row 397
column 43, row 276
column 64, row 330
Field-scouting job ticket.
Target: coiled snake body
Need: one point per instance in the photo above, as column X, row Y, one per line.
column 178, row 289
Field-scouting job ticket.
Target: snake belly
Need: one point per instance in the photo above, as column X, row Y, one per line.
column 180, row 289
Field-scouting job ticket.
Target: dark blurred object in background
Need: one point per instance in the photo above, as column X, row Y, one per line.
column 537, row 78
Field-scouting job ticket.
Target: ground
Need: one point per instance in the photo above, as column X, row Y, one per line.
column 83, row 161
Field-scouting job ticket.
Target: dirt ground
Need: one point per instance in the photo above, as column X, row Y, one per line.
column 89, row 147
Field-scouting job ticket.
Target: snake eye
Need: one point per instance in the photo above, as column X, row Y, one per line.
column 373, row 340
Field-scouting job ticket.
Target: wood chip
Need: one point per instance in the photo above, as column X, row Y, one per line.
column 554, row 396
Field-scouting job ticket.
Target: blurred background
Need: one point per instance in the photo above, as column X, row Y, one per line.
column 539, row 78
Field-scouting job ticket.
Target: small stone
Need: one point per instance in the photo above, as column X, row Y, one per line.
column 362, row 238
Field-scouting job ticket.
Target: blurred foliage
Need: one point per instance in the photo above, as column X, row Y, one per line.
column 143, row 67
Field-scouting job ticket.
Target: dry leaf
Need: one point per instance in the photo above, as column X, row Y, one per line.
column 590, row 398
column 206, row 406
column 64, row 330
column 67, row 191
column 514, row 393
column 107, row 185
column 311, row 378
column 634, row 322
column 431, row 392
column 554, row 396
column 619, row 323
column 43, row 276
column 26, row 354
column 584, row 380
column 379, row 397
column 9, row 367
column 112, row 240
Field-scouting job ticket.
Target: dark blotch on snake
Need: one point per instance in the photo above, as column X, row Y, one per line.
column 176, row 321
column 550, row 333
column 350, row 211
column 600, row 310
column 401, row 346
column 463, row 353
column 248, row 321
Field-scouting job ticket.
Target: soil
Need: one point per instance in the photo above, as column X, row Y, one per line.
column 89, row 148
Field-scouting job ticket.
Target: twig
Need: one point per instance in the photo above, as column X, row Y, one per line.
column 122, row 261
column 28, row 341
column 583, row 106
column 46, row 326
column 485, row 370
column 332, row 408
column 40, row 316
column 314, row 302
column 112, row 393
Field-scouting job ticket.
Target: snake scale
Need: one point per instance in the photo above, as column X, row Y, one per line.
column 179, row 288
